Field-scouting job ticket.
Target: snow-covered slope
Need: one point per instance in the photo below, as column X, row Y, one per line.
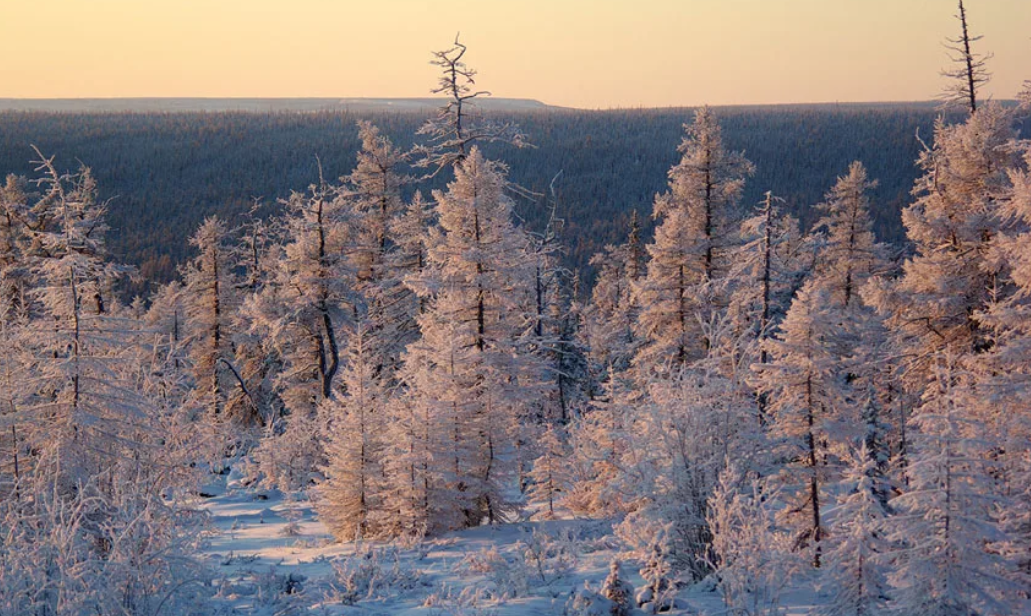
column 271, row 555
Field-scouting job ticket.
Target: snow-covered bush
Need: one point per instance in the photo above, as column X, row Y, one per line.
column 550, row 558
column 507, row 578
column 278, row 591
column 468, row 602
column 586, row 602
column 752, row 558
column 107, row 551
column 617, row 590
column 372, row 575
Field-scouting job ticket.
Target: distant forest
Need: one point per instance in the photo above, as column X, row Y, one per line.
column 164, row 172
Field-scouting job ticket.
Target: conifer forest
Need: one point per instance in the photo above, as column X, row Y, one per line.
column 477, row 361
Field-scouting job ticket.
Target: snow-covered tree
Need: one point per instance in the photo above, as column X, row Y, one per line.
column 466, row 369
column 850, row 254
column 617, row 590
column 351, row 500
column 209, row 299
column 750, row 554
column 373, row 192
column 808, row 410
column 856, row 561
column 971, row 71
column 947, row 523
column 75, row 345
column 300, row 313
column 456, row 128
column 550, row 476
column 768, row 267
column 612, row 313
column 692, row 245
column 954, row 223
column 599, row 439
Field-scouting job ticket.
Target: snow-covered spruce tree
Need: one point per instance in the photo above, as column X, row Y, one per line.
column 947, row 525
column 809, row 411
column 692, row 244
column 850, row 254
column 857, row 557
column 351, row 499
column 467, row 368
column 612, row 312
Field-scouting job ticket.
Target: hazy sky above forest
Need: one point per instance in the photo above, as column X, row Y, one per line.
column 583, row 53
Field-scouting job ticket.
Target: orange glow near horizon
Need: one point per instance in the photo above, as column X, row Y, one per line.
column 579, row 53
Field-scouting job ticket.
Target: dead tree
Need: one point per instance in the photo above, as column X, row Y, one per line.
column 971, row 72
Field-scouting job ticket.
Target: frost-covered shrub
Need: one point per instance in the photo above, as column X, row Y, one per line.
column 468, row 602
column 550, row 558
column 117, row 551
column 586, row 602
column 277, row 590
column 617, row 590
column 753, row 559
column 660, row 585
column 373, row 575
column 507, row 578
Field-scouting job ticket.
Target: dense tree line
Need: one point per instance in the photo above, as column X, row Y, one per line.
column 165, row 172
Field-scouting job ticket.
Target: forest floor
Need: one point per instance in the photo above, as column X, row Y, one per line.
column 272, row 557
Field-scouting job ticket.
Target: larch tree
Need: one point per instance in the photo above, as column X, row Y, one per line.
column 477, row 290
column 457, row 127
column 82, row 400
column 209, row 300
column 690, row 253
column 550, row 476
column 373, row 191
column 611, row 315
column 351, row 499
column 949, row 560
column 933, row 306
column 858, row 552
column 850, row 254
column 971, row 70
column 302, row 311
column 808, row 410
column 767, row 269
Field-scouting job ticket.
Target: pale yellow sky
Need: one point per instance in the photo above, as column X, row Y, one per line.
column 583, row 53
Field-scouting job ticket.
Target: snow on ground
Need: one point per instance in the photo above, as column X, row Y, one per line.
column 272, row 556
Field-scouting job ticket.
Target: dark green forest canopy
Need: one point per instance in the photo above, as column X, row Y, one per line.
column 164, row 172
